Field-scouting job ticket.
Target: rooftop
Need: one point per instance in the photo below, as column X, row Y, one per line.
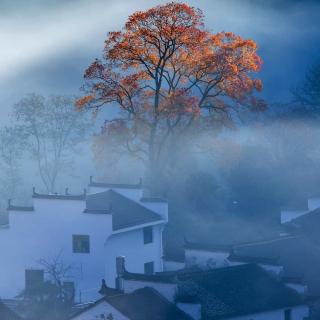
column 299, row 255
column 125, row 212
column 235, row 291
column 93, row 183
column 227, row 292
column 56, row 196
column 143, row 304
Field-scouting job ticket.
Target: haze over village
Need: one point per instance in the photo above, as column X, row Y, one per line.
column 159, row 160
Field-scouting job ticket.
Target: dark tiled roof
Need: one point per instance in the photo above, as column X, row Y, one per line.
column 7, row 314
column 157, row 277
column 142, row 304
column 146, row 304
column 299, row 256
column 227, row 292
column 98, row 211
column 234, row 291
column 59, row 196
column 115, row 185
column 125, row 212
column 20, row 208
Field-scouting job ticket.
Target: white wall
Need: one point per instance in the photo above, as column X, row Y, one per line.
column 47, row 232
column 96, row 312
column 300, row 288
column 298, row 313
column 168, row 290
column 288, row 215
column 313, row 203
column 169, row 265
column 203, row 258
column 130, row 245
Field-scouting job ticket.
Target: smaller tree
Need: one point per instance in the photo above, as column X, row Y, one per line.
column 53, row 299
column 54, row 128
column 308, row 93
column 12, row 147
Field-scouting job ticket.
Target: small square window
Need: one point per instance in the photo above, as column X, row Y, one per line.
column 147, row 235
column 149, row 268
column 81, row 244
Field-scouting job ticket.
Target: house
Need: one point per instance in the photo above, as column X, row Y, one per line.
column 208, row 256
column 84, row 232
column 235, row 293
column 7, row 314
column 292, row 212
column 142, row 304
column 306, row 225
column 294, row 258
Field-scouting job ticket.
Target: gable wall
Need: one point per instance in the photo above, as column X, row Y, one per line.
column 46, row 233
column 134, row 250
column 98, row 310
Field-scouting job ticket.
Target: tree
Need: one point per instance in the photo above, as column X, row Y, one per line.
column 53, row 298
column 11, row 150
column 308, row 93
column 54, row 128
column 162, row 71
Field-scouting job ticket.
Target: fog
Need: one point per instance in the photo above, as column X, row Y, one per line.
column 227, row 186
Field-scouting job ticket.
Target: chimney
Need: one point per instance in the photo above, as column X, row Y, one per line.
column 121, row 269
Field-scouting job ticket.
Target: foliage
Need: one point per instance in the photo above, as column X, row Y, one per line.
column 308, row 93
column 53, row 129
column 53, row 299
column 163, row 70
column 11, row 150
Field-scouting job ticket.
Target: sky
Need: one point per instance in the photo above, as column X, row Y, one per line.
column 47, row 44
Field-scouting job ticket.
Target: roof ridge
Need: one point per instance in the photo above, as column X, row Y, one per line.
column 93, row 183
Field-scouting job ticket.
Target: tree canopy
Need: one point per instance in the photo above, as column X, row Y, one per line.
column 162, row 70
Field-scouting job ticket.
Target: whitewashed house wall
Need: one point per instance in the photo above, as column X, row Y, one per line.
column 47, row 232
column 98, row 311
column 288, row 215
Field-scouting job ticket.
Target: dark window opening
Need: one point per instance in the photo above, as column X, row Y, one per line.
column 149, row 268
column 147, row 235
column 81, row 244
column 287, row 314
column 34, row 280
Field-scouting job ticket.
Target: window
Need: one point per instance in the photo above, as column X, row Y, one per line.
column 147, row 235
column 149, row 268
column 33, row 280
column 287, row 314
column 81, row 244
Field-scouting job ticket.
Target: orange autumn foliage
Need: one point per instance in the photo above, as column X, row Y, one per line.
column 163, row 68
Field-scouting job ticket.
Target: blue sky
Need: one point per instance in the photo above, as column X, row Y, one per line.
column 47, row 44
